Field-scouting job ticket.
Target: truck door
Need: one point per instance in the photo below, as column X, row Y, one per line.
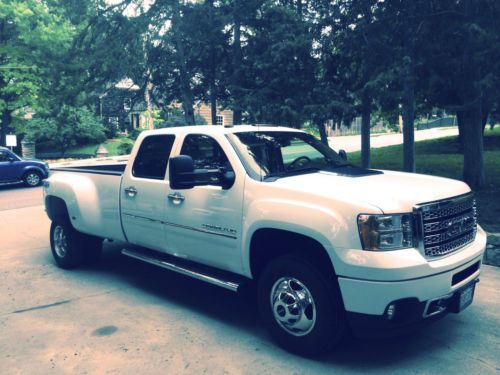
column 144, row 191
column 204, row 223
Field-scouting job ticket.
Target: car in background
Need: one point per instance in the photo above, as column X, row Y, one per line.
column 14, row 168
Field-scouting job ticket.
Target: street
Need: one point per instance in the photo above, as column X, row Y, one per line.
column 352, row 143
column 125, row 317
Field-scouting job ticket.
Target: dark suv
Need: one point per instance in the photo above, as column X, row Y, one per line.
column 13, row 168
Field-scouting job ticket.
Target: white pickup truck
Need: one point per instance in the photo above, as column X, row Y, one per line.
column 329, row 245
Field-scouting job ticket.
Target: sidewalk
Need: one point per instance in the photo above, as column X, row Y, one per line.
column 351, row 143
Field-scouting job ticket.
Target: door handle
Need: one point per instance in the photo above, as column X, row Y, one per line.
column 131, row 191
column 176, row 197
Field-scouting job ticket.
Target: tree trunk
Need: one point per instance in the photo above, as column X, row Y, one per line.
column 237, row 61
column 460, row 125
column 5, row 126
column 408, row 119
column 473, row 172
column 322, row 132
column 184, row 84
column 365, row 130
column 213, row 103
column 147, row 99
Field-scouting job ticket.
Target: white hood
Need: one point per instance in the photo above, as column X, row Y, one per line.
column 391, row 192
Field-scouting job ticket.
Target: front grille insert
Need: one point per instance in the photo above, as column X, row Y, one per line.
column 446, row 225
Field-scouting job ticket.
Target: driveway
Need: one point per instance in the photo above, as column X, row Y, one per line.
column 352, row 143
column 125, row 317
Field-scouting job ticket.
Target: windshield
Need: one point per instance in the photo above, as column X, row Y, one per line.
column 270, row 154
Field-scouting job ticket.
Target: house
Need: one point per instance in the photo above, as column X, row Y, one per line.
column 122, row 106
column 224, row 116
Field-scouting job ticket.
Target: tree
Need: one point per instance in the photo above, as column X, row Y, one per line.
column 31, row 40
column 464, row 74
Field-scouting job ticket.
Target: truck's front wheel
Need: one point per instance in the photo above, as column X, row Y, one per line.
column 71, row 248
column 300, row 307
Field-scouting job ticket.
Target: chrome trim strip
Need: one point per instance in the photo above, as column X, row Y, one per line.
column 180, row 226
column 184, row 271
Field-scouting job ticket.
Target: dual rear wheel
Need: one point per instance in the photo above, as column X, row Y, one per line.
column 71, row 248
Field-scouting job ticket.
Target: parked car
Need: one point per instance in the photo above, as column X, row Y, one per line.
column 329, row 245
column 14, row 168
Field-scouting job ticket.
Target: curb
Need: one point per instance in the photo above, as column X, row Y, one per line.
column 492, row 253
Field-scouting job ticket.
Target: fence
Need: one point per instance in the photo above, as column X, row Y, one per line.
column 354, row 129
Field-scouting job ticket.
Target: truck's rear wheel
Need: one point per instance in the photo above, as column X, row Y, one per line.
column 71, row 248
column 300, row 308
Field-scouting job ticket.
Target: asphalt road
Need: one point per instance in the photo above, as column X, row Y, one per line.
column 125, row 317
column 352, row 143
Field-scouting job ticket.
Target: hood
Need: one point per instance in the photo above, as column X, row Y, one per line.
column 391, row 192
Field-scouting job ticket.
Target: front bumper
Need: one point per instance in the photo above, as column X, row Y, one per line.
column 367, row 301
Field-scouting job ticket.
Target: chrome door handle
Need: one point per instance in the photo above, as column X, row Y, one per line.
column 131, row 191
column 176, row 197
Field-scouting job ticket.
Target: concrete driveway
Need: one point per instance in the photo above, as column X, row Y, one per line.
column 125, row 317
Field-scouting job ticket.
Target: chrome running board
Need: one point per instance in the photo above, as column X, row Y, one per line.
column 200, row 272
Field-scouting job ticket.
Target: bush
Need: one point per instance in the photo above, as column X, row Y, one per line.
column 134, row 133
column 69, row 127
column 125, row 148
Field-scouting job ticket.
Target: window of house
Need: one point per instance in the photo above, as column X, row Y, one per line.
column 114, row 121
column 152, row 158
column 220, row 120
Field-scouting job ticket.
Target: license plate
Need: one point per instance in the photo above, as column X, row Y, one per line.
column 465, row 297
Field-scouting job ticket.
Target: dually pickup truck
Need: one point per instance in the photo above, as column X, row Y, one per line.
column 328, row 245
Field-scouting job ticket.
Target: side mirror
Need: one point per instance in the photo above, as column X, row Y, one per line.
column 182, row 174
column 343, row 154
column 11, row 159
column 227, row 179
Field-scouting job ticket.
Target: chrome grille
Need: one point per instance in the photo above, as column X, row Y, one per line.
column 447, row 225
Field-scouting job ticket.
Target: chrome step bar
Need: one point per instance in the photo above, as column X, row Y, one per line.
column 184, row 270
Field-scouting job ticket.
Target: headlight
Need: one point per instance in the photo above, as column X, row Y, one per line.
column 386, row 232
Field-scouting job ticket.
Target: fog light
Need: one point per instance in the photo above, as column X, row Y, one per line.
column 391, row 311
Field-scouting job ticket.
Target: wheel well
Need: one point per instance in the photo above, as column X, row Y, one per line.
column 56, row 208
column 268, row 244
column 32, row 170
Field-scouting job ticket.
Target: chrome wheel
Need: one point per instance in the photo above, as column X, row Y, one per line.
column 32, row 179
column 293, row 306
column 60, row 241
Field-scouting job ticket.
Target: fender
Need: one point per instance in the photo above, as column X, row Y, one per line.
column 90, row 208
column 313, row 221
column 29, row 168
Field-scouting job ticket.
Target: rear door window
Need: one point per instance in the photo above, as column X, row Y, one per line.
column 152, row 159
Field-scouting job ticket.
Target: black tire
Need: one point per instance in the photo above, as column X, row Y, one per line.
column 32, row 178
column 71, row 248
column 92, row 248
column 322, row 322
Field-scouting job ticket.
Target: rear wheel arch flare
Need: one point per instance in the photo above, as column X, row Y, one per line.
column 56, row 208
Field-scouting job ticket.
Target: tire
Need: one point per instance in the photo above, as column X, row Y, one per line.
column 92, row 248
column 71, row 248
column 32, row 178
column 300, row 306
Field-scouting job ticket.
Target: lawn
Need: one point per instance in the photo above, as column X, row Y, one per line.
column 111, row 145
column 440, row 157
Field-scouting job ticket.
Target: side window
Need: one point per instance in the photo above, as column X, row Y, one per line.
column 3, row 156
column 152, row 158
column 206, row 152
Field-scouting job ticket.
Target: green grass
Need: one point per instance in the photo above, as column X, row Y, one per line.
column 111, row 145
column 440, row 157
